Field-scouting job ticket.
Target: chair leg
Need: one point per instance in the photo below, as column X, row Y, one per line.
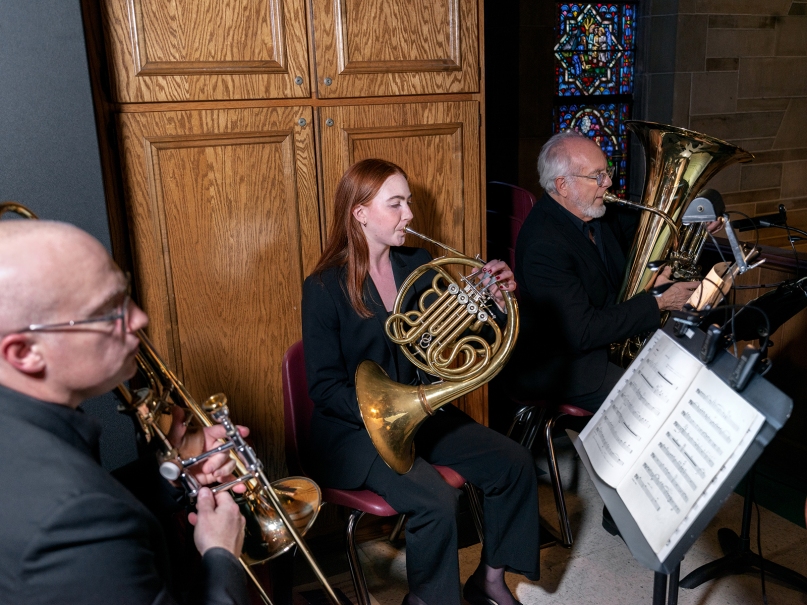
column 396, row 531
column 522, row 416
column 554, row 474
column 476, row 510
column 532, row 432
column 356, row 572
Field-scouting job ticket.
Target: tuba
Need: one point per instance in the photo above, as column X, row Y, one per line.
column 443, row 337
column 678, row 163
column 277, row 514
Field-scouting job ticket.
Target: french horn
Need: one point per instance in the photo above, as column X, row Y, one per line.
column 678, row 164
column 443, row 337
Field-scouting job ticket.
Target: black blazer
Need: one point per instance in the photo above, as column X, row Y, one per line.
column 336, row 340
column 69, row 532
column 560, row 275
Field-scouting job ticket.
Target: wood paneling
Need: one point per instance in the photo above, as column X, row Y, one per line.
column 395, row 47
column 225, row 198
column 224, row 228
column 437, row 144
column 181, row 50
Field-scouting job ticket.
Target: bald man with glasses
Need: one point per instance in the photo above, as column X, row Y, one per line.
column 69, row 532
column 569, row 268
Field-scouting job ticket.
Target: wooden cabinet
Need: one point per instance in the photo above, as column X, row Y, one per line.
column 183, row 50
column 395, row 47
column 224, row 228
column 226, row 162
column 437, row 144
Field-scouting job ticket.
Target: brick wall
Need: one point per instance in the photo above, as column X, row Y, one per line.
column 735, row 70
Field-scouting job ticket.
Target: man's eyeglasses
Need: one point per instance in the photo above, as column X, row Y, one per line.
column 122, row 313
column 599, row 177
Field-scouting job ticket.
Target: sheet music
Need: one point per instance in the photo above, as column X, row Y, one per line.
column 638, row 406
column 694, row 444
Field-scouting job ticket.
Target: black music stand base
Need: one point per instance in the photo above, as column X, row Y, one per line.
column 738, row 557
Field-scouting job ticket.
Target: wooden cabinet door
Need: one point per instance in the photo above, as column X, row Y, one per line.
column 395, row 47
column 224, row 227
column 185, row 50
column 437, row 145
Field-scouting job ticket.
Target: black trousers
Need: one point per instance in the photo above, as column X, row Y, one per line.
column 501, row 468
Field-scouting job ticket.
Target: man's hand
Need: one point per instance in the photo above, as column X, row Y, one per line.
column 715, row 225
column 676, row 296
column 217, row 522
column 216, row 469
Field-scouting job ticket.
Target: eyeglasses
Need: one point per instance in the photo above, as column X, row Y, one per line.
column 599, row 177
column 122, row 313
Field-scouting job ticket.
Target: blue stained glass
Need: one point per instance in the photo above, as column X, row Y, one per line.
column 595, row 50
column 604, row 123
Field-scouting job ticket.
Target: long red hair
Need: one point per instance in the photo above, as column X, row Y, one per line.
column 346, row 243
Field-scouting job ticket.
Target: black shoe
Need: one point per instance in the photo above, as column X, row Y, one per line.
column 475, row 596
column 608, row 522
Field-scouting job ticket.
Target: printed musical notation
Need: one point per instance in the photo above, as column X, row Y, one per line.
column 639, row 405
column 663, row 435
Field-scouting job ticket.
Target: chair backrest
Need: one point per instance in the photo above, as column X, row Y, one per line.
column 297, row 407
column 510, row 206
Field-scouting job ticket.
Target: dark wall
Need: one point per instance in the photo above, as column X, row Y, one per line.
column 49, row 159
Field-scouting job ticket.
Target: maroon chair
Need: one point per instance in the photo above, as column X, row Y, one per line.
column 298, row 408
column 509, row 205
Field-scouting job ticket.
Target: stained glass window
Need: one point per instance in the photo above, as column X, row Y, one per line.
column 594, row 66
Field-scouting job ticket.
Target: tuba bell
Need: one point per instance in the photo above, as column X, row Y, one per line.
column 678, row 163
column 443, row 337
column 277, row 513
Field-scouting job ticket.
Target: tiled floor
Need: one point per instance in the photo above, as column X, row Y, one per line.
column 599, row 568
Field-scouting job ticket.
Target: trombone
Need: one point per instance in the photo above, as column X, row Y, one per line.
column 278, row 513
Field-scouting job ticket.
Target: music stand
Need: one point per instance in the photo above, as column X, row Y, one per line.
column 778, row 305
column 774, row 405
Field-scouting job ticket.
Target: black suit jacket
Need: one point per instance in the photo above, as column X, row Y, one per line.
column 69, row 532
column 560, row 274
column 336, row 340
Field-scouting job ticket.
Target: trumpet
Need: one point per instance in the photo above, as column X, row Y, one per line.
column 277, row 513
column 441, row 338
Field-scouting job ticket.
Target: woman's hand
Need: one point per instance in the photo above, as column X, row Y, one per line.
column 504, row 280
column 217, row 468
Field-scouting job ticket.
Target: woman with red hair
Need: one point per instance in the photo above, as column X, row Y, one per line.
column 346, row 302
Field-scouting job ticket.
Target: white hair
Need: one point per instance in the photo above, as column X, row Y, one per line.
column 553, row 161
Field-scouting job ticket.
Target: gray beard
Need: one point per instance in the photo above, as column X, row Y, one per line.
column 593, row 211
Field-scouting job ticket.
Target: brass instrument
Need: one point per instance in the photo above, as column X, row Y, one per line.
column 442, row 338
column 277, row 514
column 17, row 209
column 678, row 163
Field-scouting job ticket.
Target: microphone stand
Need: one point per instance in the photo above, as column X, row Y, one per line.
column 739, row 558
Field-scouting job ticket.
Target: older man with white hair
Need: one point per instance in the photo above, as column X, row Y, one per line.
column 569, row 267
column 69, row 532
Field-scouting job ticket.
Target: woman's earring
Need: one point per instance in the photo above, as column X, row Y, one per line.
column 364, row 224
